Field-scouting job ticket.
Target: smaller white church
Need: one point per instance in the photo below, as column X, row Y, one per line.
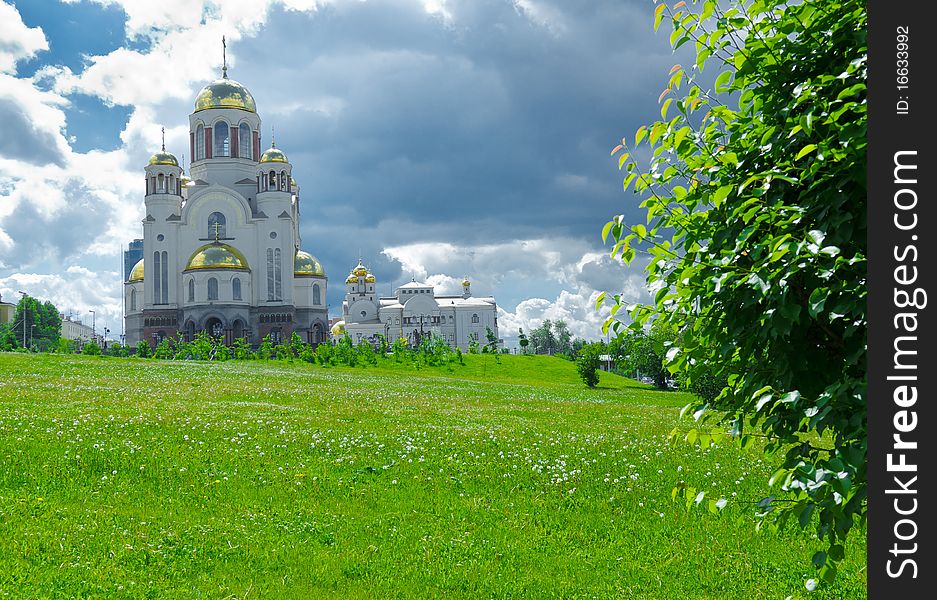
column 413, row 313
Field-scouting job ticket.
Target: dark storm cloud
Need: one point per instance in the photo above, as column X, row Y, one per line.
column 490, row 127
column 22, row 141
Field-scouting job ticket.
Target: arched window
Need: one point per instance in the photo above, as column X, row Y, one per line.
column 283, row 181
column 191, row 290
column 316, row 296
column 199, row 142
column 157, row 280
column 133, row 300
column 160, row 184
column 222, row 142
column 212, row 288
column 236, row 288
column 216, row 224
column 273, row 180
column 164, row 272
column 244, row 141
column 474, row 318
column 277, row 270
column 269, row 274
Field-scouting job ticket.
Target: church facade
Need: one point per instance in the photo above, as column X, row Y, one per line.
column 413, row 313
column 222, row 252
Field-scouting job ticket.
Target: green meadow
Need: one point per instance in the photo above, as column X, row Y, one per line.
column 132, row 478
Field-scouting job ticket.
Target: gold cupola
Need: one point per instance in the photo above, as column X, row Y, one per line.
column 273, row 154
column 136, row 273
column 163, row 158
column 307, row 265
column 370, row 278
column 217, row 256
column 360, row 270
column 338, row 329
column 225, row 93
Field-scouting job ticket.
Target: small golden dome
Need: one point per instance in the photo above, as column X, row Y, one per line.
column 136, row 273
column 307, row 265
column 217, row 256
column 351, row 279
column 360, row 270
column 466, row 282
column 370, row 278
column 225, row 93
column 164, row 158
column 273, row 155
column 339, row 328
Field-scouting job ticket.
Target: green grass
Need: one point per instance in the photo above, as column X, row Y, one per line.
column 133, row 478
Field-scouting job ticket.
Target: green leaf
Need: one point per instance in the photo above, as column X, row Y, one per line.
column 722, row 81
column 659, row 15
column 599, row 300
column 817, row 300
column 639, row 134
column 805, row 151
column 721, row 194
column 606, row 229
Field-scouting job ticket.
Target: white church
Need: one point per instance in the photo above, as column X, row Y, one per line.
column 222, row 251
column 413, row 313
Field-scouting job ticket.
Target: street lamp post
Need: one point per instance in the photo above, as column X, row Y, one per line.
column 94, row 337
column 106, row 331
column 32, row 335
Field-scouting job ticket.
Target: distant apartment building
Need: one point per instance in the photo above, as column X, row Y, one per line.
column 7, row 311
column 74, row 329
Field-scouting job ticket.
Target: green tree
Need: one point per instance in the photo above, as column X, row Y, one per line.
column 522, row 341
column 564, row 339
column 587, row 364
column 91, row 349
column 143, row 349
column 7, row 338
column 755, row 196
column 542, row 339
column 40, row 321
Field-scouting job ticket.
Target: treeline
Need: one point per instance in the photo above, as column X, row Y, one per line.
column 552, row 338
column 36, row 325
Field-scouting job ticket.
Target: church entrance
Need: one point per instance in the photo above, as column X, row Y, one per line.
column 238, row 329
column 214, row 327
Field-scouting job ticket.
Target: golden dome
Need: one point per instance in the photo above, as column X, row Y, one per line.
column 136, row 273
column 370, row 278
column 338, row 328
column 307, row 265
column 217, row 256
column 360, row 270
column 164, row 158
column 466, row 282
column 225, row 93
column 273, row 154
column 351, row 278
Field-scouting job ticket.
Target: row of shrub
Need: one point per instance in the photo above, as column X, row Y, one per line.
column 432, row 351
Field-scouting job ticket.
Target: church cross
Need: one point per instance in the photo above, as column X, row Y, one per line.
column 163, row 129
column 217, row 228
column 224, row 58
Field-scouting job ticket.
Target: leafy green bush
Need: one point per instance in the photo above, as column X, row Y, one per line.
column 755, row 194
column 91, row 349
column 587, row 365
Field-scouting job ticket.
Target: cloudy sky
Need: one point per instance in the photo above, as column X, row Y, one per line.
column 437, row 138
